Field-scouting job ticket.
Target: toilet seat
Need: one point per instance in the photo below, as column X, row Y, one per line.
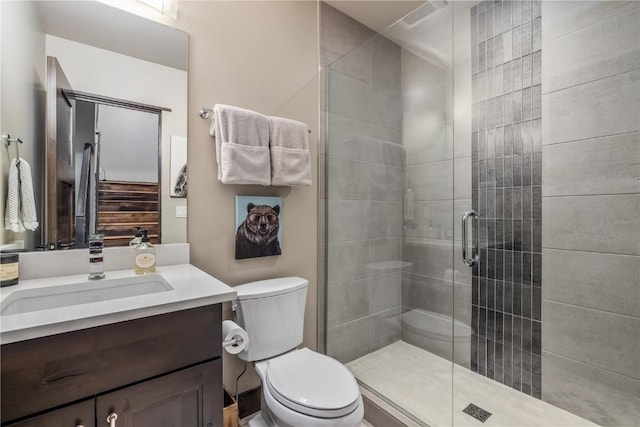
column 312, row 384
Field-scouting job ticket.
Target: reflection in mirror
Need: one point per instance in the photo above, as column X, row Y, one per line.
column 116, row 159
column 115, row 64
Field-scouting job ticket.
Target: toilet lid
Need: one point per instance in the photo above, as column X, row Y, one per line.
column 313, row 384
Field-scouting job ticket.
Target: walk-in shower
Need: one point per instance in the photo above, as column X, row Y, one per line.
column 523, row 117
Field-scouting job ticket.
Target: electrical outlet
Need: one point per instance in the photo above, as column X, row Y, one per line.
column 181, row 211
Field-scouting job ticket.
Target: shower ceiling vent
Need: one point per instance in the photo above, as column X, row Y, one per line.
column 477, row 412
column 418, row 15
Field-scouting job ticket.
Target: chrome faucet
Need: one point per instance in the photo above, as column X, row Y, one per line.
column 96, row 264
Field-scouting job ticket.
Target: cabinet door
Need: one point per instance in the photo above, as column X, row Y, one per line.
column 190, row 397
column 79, row 414
column 52, row 371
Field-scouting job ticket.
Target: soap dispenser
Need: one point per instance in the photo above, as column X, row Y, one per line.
column 145, row 259
column 137, row 237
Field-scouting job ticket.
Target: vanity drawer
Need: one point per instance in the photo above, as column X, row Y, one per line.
column 46, row 372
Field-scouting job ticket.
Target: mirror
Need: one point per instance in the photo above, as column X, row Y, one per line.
column 118, row 68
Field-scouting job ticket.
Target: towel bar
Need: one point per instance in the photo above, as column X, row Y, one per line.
column 205, row 113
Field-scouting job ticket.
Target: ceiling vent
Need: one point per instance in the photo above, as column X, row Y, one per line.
column 418, row 15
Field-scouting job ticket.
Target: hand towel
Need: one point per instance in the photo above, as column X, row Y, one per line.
column 12, row 213
column 290, row 156
column 242, row 145
column 20, row 211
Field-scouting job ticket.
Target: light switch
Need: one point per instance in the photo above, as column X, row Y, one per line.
column 181, row 211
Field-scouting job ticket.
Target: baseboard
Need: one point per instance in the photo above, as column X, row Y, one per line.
column 249, row 401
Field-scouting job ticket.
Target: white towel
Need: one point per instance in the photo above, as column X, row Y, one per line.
column 290, row 156
column 242, row 145
column 20, row 211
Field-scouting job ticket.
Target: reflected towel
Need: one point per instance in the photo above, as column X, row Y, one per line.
column 20, row 211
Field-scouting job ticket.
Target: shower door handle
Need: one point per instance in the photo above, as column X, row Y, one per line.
column 473, row 261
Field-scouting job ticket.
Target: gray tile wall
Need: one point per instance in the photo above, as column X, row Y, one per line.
column 591, row 206
column 364, row 163
column 507, row 194
column 434, row 195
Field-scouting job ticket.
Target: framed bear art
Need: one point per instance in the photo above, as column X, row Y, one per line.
column 258, row 226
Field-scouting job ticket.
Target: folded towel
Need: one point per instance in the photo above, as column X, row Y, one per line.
column 244, row 164
column 20, row 211
column 242, row 145
column 290, row 156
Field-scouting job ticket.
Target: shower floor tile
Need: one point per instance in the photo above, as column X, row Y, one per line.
column 422, row 384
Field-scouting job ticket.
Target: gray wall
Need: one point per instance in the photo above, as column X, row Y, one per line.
column 364, row 181
column 591, row 209
column 429, row 202
column 23, row 105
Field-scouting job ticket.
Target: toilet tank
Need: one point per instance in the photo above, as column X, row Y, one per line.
column 272, row 313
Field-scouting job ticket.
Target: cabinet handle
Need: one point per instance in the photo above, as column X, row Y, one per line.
column 111, row 419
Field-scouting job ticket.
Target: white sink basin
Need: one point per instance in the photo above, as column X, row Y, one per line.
column 89, row 291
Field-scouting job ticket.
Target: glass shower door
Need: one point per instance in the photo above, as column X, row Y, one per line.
column 390, row 159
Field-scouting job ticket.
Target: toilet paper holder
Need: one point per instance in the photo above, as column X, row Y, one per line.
column 235, row 341
column 234, row 338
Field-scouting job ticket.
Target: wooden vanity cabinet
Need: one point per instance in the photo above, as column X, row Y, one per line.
column 78, row 414
column 163, row 370
column 172, row 400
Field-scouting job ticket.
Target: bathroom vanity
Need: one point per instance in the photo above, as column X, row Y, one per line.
column 164, row 367
column 150, row 359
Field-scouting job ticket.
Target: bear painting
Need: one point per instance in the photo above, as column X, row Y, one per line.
column 257, row 235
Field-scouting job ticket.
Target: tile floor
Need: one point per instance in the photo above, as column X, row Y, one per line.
column 422, row 383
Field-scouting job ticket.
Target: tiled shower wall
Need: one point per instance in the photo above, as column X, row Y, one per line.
column 507, row 192
column 364, row 189
column 435, row 282
column 591, row 209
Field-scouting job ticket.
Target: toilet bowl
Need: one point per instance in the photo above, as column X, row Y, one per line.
column 305, row 388
column 300, row 387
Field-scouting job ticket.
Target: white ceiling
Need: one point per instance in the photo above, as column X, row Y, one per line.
column 376, row 14
column 114, row 29
column 430, row 30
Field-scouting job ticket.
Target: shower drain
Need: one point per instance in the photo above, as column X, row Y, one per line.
column 477, row 412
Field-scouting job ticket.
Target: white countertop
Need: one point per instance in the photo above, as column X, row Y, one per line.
column 192, row 288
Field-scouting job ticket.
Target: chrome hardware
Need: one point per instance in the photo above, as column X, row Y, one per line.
column 111, row 419
column 473, row 261
column 205, row 112
column 234, row 342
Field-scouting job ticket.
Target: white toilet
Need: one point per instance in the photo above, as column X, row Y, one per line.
column 299, row 386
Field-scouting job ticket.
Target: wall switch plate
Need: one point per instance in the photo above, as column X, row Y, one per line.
column 181, row 211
